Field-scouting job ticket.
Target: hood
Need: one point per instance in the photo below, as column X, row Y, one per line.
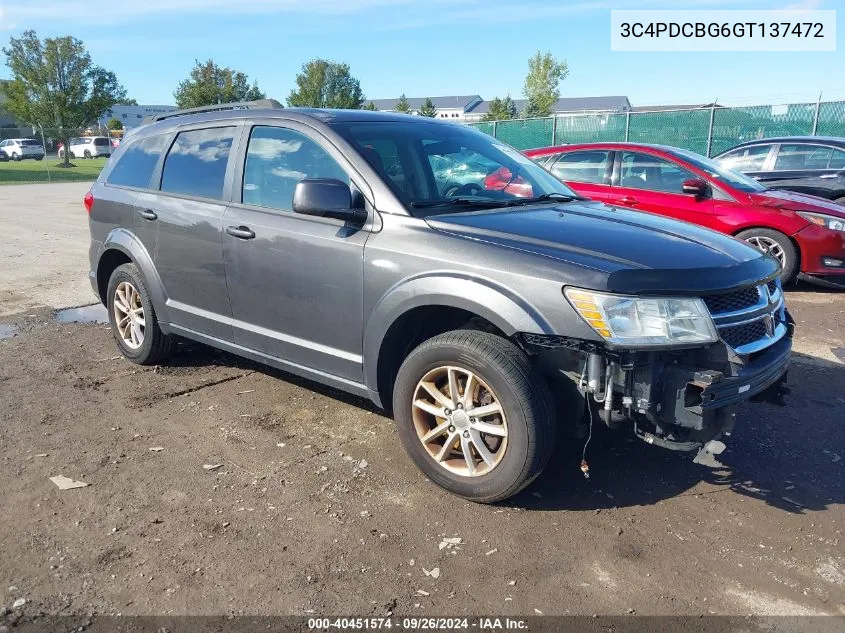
column 782, row 199
column 639, row 251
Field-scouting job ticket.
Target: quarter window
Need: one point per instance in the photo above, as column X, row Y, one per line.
column 746, row 158
column 196, row 163
column 589, row 167
column 791, row 157
column 279, row 158
column 641, row 171
column 137, row 162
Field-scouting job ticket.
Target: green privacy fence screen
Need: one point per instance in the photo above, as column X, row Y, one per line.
column 708, row 131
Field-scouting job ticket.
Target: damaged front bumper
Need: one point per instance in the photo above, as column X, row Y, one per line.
column 677, row 399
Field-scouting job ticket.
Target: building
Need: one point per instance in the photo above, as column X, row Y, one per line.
column 562, row 107
column 453, row 108
column 133, row 115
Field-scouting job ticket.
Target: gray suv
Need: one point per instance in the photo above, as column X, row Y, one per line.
column 489, row 313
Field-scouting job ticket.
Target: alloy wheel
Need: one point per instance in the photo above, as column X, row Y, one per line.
column 460, row 421
column 769, row 246
column 129, row 315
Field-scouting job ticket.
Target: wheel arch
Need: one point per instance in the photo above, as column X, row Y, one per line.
column 121, row 247
column 417, row 309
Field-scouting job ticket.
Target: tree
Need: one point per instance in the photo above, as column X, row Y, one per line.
column 326, row 84
column 542, row 84
column 55, row 85
column 114, row 124
column 126, row 102
column 501, row 110
column 402, row 105
column 428, row 109
column 370, row 106
column 209, row 84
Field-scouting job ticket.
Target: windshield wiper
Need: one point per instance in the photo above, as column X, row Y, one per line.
column 459, row 202
column 546, row 197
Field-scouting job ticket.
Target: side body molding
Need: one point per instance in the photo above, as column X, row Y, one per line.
column 498, row 304
column 124, row 241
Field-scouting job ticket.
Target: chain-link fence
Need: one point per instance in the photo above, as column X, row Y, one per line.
column 35, row 155
column 708, row 131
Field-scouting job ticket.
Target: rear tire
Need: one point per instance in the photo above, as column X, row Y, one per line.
column 87, row 154
column 777, row 244
column 15, row 156
column 508, row 447
column 138, row 336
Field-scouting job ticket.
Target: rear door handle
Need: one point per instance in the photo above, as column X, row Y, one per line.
column 826, row 176
column 241, row 232
column 627, row 200
column 148, row 214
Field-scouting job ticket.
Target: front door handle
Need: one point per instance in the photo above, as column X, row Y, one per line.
column 241, row 232
column 827, row 176
column 627, row 200
column 148, row 214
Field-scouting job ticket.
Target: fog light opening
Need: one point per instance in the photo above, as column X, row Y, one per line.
column 833, row 262
column 693, row 396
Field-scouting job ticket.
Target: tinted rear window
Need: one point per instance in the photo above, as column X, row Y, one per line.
column 30, row 143
column 135, row 166
column 196, row 164
column 101, row 142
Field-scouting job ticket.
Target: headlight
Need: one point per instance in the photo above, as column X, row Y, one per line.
column 827, row 221
column 644, row 321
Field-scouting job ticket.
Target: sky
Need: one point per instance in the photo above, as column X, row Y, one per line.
column 423, row 48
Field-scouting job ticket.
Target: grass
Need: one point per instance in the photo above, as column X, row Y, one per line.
column 39, row 171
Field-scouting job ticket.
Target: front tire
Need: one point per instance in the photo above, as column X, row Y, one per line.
column 133, row 320
column 778, row 246
column 474, row 415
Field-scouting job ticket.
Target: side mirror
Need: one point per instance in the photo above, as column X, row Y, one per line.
column 695, row 187
column 326, row 198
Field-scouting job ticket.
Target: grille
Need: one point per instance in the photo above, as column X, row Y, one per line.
column 772, row 286
column 743, row 334
column 732, row 301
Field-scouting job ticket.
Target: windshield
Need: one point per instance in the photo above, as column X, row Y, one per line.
column 439, row 168
column 720, row 174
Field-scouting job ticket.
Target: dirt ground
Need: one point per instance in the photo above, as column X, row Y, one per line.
column 218, row 486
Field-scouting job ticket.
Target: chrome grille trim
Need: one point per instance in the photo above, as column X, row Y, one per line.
column 768, row 312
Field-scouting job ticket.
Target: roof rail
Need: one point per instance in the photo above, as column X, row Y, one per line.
column 217, row 107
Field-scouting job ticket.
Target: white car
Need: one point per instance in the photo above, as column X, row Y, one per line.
column 88, row 147
column 20, row 148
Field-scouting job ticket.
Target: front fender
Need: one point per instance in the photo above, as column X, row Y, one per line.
column 499, row 305
column 125, row 242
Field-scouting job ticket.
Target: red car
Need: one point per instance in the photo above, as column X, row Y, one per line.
column 806, row 233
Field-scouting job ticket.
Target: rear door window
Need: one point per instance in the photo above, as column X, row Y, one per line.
column 101, row 142
column 746, row 158
column 135, row 166
column 196, row 163
column 588, row 166
column 837, row 159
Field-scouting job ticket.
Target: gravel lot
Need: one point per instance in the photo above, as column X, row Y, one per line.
column 315, row 508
